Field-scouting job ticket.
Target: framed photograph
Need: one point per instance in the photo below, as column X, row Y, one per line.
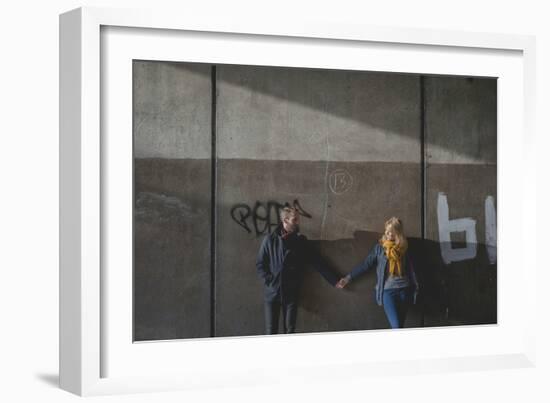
column 238, row 198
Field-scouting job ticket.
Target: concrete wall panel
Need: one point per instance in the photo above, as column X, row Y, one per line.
column 461, row 174
column 317, row 115
column 461, row 120
column 330, row 141
column 172, row 110
column 342, row 229
column 172, row 195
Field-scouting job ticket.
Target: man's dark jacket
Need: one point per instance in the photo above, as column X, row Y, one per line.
column 281, row 263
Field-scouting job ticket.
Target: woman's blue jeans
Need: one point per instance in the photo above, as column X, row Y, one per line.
column 396, row 303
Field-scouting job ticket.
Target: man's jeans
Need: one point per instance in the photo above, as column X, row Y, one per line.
column 396, row 304
column 272, row 312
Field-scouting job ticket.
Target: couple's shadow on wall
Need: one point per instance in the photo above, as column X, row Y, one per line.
column 458, row 293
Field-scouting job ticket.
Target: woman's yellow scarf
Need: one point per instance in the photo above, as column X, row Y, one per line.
column 394, row 253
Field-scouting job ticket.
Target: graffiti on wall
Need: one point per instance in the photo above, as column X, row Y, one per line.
column 262, row 218
column 468, row 226
column 340, row 181
column 491, row 229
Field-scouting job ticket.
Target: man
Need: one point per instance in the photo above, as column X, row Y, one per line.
column 280, row 264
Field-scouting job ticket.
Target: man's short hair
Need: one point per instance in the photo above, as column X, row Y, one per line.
column 288, row 212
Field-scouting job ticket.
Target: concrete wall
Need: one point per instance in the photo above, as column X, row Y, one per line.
column 172, row 193
column 346, row 147
column 461, row 175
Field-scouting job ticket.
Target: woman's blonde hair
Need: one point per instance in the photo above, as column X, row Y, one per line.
column 397, row 226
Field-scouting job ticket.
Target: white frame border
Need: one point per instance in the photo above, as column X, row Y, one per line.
column 80, row 163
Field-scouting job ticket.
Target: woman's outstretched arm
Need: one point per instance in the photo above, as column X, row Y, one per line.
column 361, row 268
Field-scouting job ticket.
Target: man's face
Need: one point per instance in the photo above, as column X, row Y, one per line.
column 290, row 224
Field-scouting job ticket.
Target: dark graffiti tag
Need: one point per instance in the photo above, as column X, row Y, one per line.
column 262, row 217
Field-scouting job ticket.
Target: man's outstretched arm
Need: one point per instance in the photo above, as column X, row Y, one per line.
column 318, row 263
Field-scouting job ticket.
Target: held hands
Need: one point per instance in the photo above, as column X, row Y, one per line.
column 343, row 282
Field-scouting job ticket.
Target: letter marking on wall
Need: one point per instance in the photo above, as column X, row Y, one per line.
column 446, row 227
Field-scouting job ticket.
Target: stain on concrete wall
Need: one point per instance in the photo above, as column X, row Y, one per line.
column 345, row 147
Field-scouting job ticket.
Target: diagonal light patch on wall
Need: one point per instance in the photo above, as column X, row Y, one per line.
column 288, row 114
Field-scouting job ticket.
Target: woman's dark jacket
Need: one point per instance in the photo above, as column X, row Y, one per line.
column 281, row 262
column 377, row 258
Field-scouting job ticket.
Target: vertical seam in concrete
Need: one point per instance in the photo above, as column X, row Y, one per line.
column 213, row 210
column 133, row 203
column 423, row 170
column 325, row 209
column 423, row 158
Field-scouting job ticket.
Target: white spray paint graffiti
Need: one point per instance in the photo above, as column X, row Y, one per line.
column 467, row 225
column 491, row 229
column 446, row 226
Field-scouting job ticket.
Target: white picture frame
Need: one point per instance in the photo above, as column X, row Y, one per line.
column 97, row 357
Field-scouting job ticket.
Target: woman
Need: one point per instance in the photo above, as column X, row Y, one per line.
column 396, row 285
